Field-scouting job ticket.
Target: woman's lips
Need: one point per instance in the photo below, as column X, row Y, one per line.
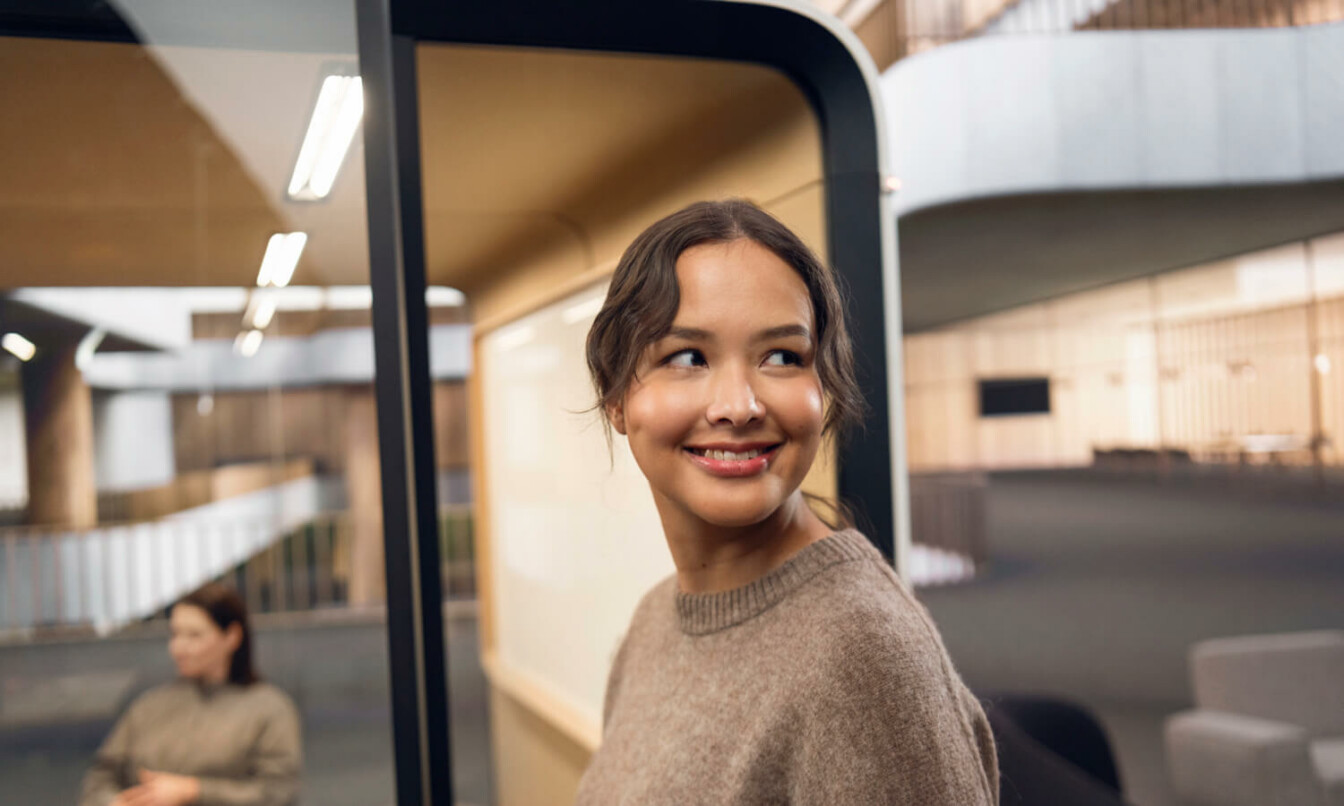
column 732, row 468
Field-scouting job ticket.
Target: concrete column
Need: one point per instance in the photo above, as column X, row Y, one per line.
column 58, row 414
column 363, row 484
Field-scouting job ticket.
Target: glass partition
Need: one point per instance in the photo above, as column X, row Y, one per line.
column 186, row 392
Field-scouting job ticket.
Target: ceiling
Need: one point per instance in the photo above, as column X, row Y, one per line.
column 527, row 149
column 964, row 260
column 113, row 177
column 166, row 165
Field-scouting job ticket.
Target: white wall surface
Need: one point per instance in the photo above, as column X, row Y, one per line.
column 575, row 539
column 132, row 440
column 13, row 450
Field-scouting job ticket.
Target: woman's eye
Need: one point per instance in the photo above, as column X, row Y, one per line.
column 685, row 358
column 783, row 358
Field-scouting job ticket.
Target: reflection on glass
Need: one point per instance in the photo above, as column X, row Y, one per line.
column 186, row 399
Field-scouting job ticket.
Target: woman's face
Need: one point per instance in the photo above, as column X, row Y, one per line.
column 725, row 415
column 201, row 650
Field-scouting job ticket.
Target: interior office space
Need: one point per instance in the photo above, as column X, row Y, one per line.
column 1125, row 239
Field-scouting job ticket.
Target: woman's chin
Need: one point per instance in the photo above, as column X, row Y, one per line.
column 735, row 515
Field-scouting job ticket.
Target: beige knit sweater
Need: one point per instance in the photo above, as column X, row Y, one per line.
column 242, row 742
column 823, row 682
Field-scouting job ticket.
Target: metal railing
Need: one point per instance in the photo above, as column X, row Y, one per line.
column 898, row 28
column 947, row 512
column 103, row 578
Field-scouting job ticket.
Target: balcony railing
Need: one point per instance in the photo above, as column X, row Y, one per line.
column 103, row 578
column 899, row 28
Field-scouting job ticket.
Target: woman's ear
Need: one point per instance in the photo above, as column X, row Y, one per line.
column 616, row 416
column 233, row 636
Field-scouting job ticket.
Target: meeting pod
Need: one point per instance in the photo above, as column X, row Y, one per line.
column 516, row 152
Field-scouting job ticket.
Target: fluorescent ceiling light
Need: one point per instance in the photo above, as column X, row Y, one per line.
column 282, row 256
column 442, row 296
column 19, row 346
column 88, row 346
column 247, row 343
column 360, row 297
column 261, row 309
column 340, row 107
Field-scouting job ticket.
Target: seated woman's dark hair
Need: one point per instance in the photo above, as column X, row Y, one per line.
column 644, row 297
column 225, row 607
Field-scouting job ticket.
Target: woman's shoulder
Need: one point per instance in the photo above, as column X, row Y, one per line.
column 261, row 695
column 866, row 615
column 163, row 695
column 267, row 692
column 658, row 600
column 270, row 700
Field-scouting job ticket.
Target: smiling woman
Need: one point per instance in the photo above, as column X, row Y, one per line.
column 784, row 661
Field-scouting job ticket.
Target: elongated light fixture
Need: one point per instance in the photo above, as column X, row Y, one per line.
column 248, row 342
column 19, row 346
column 336, row 117
column 260, row 309
column 282, row 255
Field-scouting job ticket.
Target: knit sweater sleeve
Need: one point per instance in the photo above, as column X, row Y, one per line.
column 613, row 682
column 892, row 723
column 106, row 777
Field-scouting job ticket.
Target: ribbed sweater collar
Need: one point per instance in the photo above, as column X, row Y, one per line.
column 703, row 613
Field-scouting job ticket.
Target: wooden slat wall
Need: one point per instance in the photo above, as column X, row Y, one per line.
column 1193, row 360
column 289, row 423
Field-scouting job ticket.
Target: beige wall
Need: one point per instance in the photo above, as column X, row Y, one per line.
column 1191, row 359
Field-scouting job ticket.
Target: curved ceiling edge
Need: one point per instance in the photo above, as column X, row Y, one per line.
column 1115, row 111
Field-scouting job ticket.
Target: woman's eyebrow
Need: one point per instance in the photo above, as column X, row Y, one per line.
column 784, row 332
column 689, row 334
column 769, row 334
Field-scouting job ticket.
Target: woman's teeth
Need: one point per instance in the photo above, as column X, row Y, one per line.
column 729, row 456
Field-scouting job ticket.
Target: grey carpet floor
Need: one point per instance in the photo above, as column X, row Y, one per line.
column 1097, row 588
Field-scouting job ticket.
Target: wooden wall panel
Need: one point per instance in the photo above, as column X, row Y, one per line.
column 1197, row 359
column 292, row 423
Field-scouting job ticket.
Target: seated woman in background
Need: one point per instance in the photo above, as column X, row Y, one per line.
column 784, row 661
column 217, row 735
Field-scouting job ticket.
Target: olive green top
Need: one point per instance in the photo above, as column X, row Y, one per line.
column 242, row 743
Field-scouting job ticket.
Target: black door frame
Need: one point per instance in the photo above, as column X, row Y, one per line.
column 861, row 248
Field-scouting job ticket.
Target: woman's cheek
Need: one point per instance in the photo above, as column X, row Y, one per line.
column 801, row 408
column 663, row 412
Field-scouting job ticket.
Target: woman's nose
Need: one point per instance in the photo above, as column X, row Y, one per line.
column 733, row 401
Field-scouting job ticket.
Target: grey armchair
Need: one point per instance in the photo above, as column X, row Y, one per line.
column 1268, row 729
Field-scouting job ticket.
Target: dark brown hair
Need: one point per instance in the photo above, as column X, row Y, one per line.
column 643, row 299
column 225, row 607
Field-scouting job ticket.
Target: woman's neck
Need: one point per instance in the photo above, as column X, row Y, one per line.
column 712, row 558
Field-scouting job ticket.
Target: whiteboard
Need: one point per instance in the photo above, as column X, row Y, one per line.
column 575, row 539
